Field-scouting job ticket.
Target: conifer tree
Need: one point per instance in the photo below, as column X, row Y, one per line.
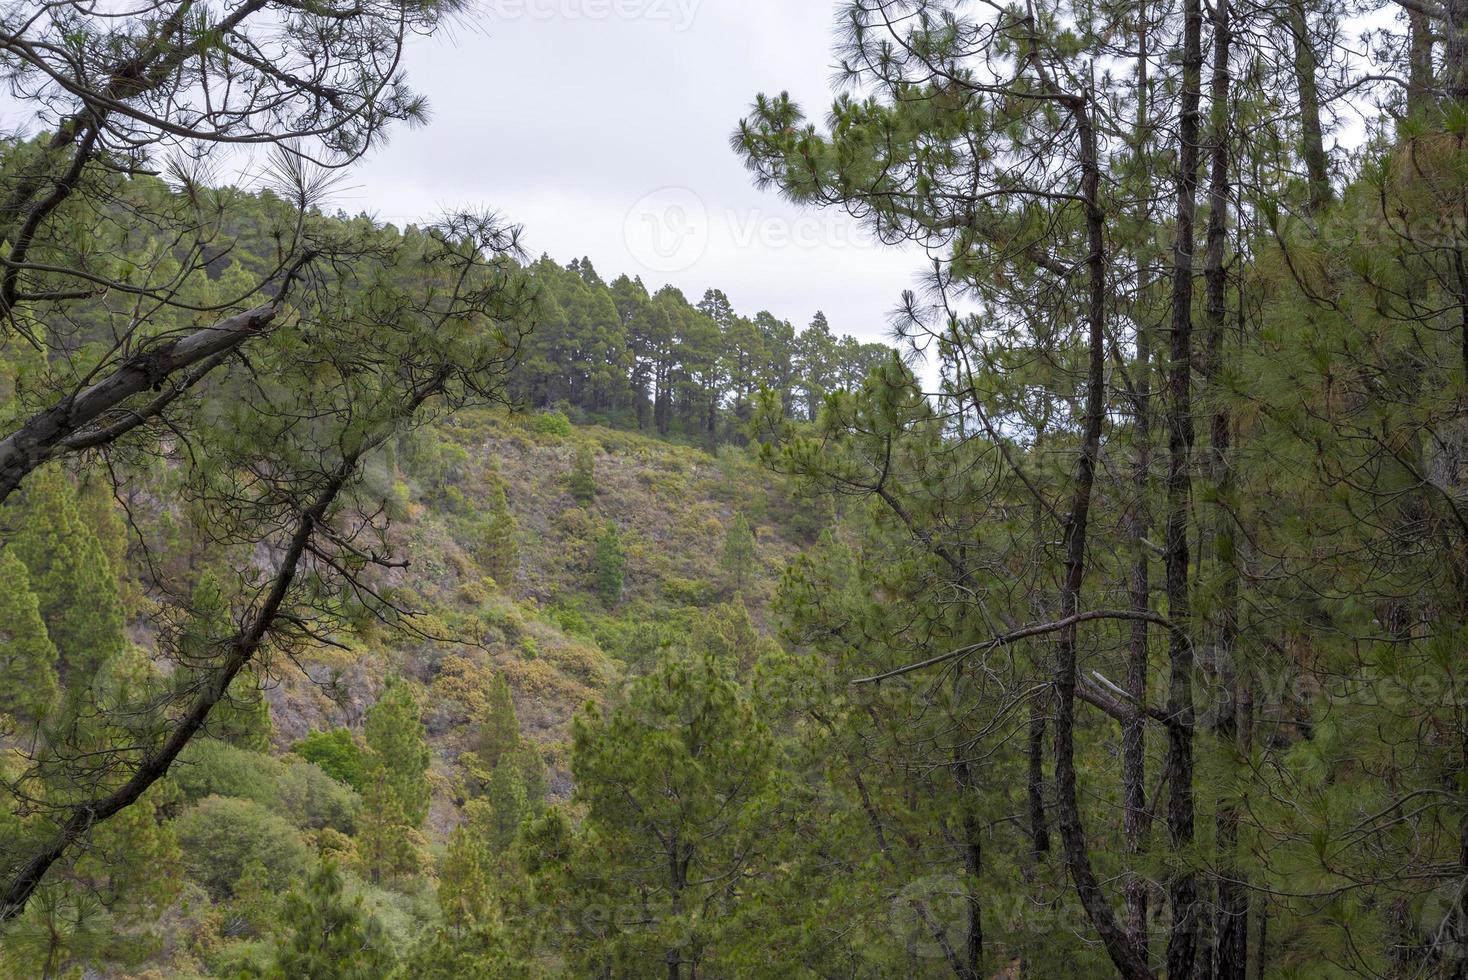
column 28, row 684
column 326, row 935
column 582, row 482
column 388, row 842
column 397, row 752
column 70, row 573
column 610, row 561
column 499, row 728
column 528, row 763
column 464, row 895
column 496, row 818
column 498, row 548
column 672, row 779
column 738, row 559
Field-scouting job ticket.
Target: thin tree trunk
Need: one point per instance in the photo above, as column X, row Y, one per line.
column 1419, row 67
column 973, row 860
column 1072, row 830
column 1231, row 935
column 1039, row 829
column 1312, row 134
column 1137, row 821
column 1182, row 886
column 1455, row 50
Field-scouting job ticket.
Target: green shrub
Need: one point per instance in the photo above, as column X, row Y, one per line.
column 552, row 424
column 292, row 788
column 208, row 767
column 689, row 592
column 582, row 482
column 337, row 753
column 220, row 837
column 313, row 799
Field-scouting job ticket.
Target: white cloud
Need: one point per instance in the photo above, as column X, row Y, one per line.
column 574, row 117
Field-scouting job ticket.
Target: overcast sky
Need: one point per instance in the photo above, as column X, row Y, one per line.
column 603, row 127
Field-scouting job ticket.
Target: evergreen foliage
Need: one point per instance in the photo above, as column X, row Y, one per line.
column 28, row 684
column 610, row 561
column 397, row 754
column 739, row 554
column 327, row 934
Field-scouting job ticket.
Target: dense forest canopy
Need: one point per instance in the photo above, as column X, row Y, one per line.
column 380, row 602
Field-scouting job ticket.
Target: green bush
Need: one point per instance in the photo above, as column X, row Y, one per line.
column 314, row 800
column 220, row 837
column 336, row 752
column 689, row 592
column 209, row 767
column 552, row 424
column 292, row 788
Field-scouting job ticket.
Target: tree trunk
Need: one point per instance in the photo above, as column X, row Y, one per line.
column 1039, row 829
column 1072, row 831
column 1182, row 887
column 1312, row 135
column 1455, row 50
column 1419, row 67
column 1137, row 821
column 973, row 859
column 1230, row 956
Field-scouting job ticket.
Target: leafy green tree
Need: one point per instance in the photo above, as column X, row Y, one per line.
column 338, row 753
column 221, row 836
column 28, row 683
column 610, row 562
column 582, row 482
column 327, row 935
column 740, row 554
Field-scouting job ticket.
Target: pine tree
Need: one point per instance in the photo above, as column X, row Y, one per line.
column 582, row 482
column 498, row 548
column 738, row 559
column 388, row 843
column 464, row 895
column 70, row 573
column 673, row 781
column 397, row 751
column 527, row 761
column 499, row 728
column 243, row 717
column 328, row 936
column 610, row 561
column 496, row 818
column 28, row 684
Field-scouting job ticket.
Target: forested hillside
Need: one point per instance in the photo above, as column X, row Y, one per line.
column 380, row 602
column 553, row 565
